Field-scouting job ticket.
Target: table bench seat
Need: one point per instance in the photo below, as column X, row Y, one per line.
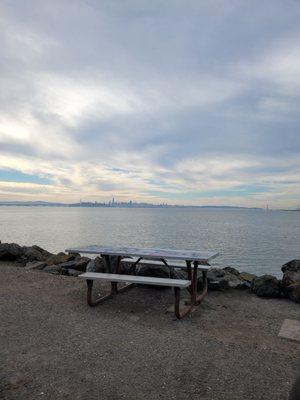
column 172, row 263
column 141, row 280
column 136, row 257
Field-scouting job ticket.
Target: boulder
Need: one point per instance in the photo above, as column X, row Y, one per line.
column 60, row 258
column 67, row 264
column 293, row 292
column 266, row 286
column 53, row 269
column 35, row 265
column 96, row 265
column 291, row 280
column 156, row 271
column 65, row 271
column 247, row 278
column 10, row 251
column 126, row 268
column 216, row 279
column 231, row 270
column 42, row 251
column 291, row 272
column 74, row 272
column 222, row 279
column 22, row 254
column 79, row 263
column 236, row 283
column 293, row 265
column 33, row 253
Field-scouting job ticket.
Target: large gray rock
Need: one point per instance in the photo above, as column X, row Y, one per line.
column 35, row 265
column 291, row 272
column 223, row 279
column 33, row 253
column 231, row 270
column 45, row 253
column 53, row 269
column 127, row 268
column 266, row 286
column 293, row 265
column 247, row 278
column 157, row 271
column 96, row 265
column 293, row 292
column 291, row 280
column 10, row 251
column 60, row 258
column 74, row 272
column 79, row 263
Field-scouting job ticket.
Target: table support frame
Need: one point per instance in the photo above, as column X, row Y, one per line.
column 195, row 299
column 192, row 273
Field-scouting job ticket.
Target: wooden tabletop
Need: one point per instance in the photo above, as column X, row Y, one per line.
column 152, row 253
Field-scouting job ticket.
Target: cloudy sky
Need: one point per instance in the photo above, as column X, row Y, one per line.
column 186, row 102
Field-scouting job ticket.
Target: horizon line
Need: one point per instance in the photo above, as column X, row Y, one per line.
column 129, row 204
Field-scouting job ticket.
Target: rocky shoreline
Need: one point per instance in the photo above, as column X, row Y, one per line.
column 37, row 258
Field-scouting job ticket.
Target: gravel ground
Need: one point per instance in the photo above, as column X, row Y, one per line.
column 53, row 346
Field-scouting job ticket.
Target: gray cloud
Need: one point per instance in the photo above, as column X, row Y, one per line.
column 125, row 95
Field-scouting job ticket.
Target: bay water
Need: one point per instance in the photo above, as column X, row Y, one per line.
column 256, row 241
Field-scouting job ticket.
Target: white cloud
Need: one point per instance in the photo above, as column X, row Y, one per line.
column 278, row 65
column 107, row 102
column 74, row 101
column 214, row 174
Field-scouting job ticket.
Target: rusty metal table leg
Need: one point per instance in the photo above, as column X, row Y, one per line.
column 195, row 299
column 114, row 285
column 118, row 271
column 198, row 298
column 180, row 314
column 190, row 305
column 91, row 302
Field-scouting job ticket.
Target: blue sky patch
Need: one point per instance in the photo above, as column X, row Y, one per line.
column 240, row 191
column 17, row 176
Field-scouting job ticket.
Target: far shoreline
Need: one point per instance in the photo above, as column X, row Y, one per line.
column 131, row 204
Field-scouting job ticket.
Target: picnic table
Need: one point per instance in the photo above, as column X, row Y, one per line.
column 189, row 260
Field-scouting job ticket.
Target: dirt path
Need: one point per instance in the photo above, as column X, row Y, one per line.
column 54, row 347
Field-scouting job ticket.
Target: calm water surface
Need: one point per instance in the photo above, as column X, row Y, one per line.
column 252, row 240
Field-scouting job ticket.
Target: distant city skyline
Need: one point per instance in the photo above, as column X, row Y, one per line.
column 131, row 204
column 109, row 204
column 193, row 103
